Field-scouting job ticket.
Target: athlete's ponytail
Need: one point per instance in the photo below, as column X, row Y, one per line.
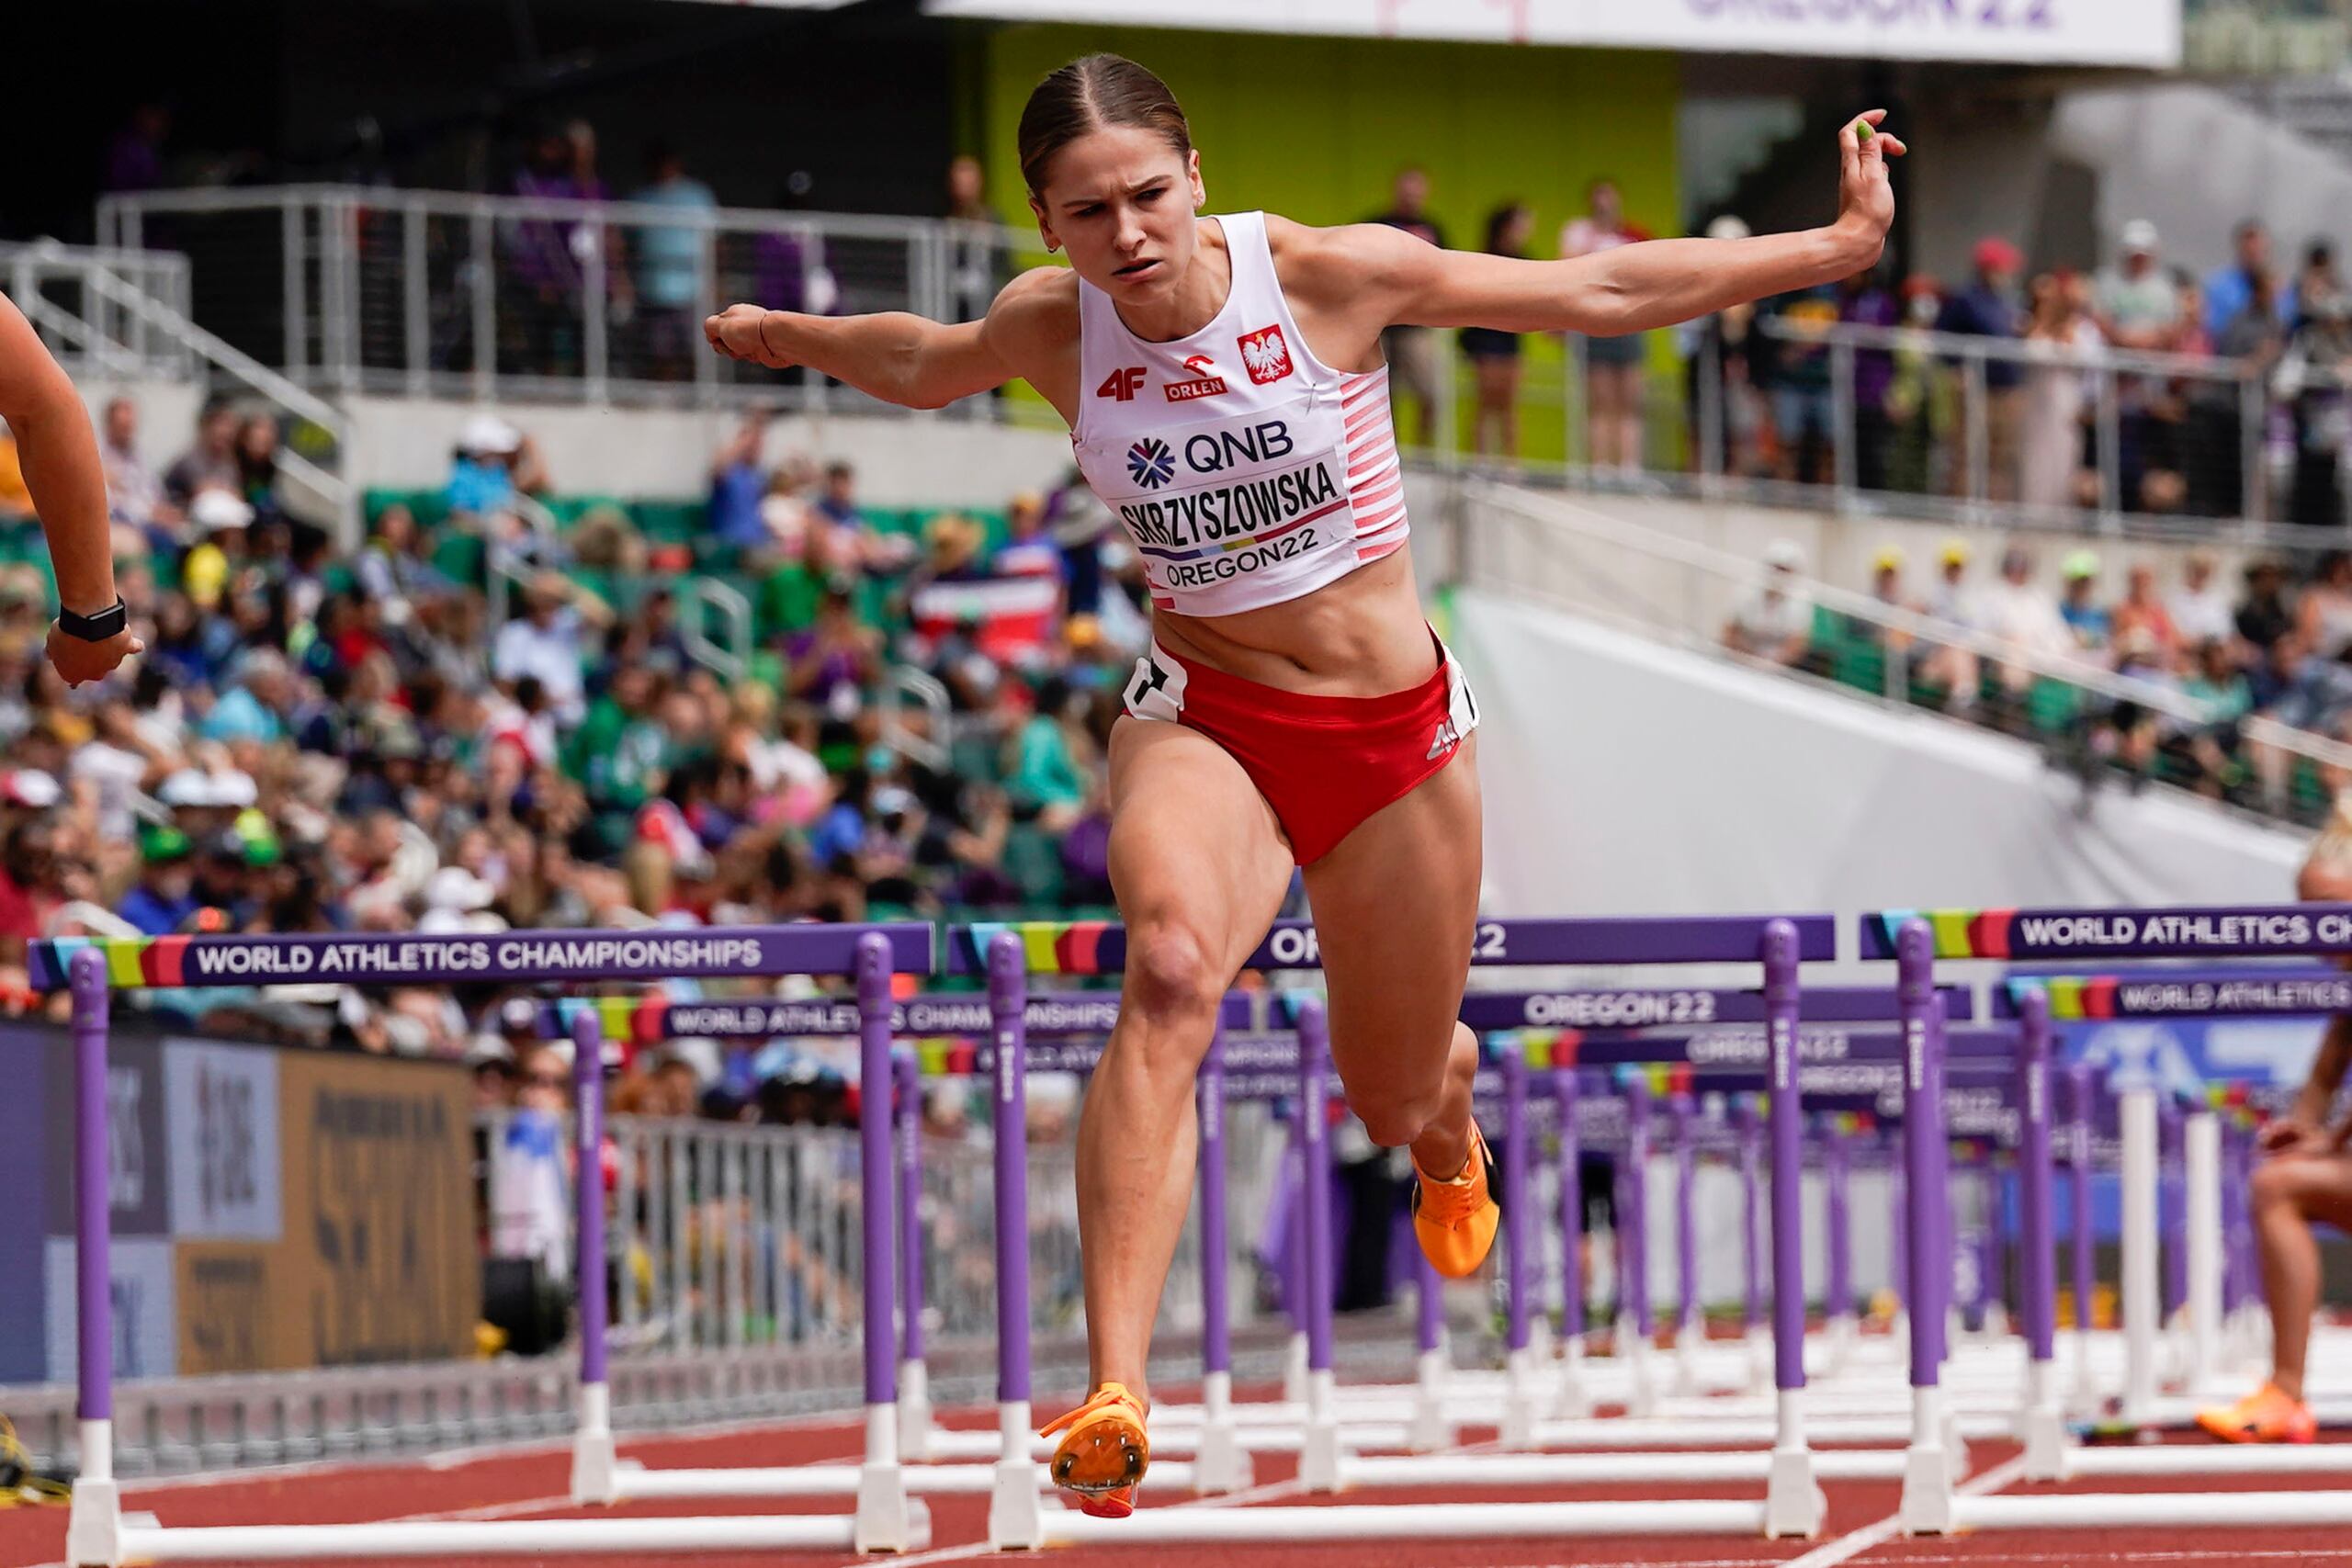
column 1087, row 95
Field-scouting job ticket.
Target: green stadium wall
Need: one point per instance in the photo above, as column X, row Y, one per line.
column 1317, row 127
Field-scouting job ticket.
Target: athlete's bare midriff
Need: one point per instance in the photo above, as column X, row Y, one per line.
column 1362, row 634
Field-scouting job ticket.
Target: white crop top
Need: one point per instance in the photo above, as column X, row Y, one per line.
column 1246, row 472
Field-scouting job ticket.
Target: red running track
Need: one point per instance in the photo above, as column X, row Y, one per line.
column 533, row 1483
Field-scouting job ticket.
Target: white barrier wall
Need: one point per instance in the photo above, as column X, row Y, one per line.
column 1624, row 777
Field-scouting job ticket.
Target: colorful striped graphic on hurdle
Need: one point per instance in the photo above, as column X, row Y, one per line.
column 1959, row 933
column 133, row 962
column 2073, row 998
column 1049, row 947
column 637, row 1020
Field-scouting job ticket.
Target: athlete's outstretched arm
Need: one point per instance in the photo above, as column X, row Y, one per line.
column 1634, row 288
column 60, row 457
column 900, row 358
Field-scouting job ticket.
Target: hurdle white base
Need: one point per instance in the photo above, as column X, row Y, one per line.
column 2156, row 1510
column 1294, row 1370
column 1016, row 1517
column 1698, row 1432
column 1539, row 1338
column 1571, row 1397
column 93, row 1530
column 1926, row 1508
column 510, row 1538
column 1634, row 1351
column 2042, row 1424
column 914, row 1412
column 885, row 1520
column 1220, row 1464
column 1759, row 1358
column 593, row 1456
column 1458, row 1521
column 1996, row 1322
column 1518, row 1429
column 1688, row 1334
column 1318, row 1454
column 1794, row 1504
column 1431, row 1428
column 1842, row 1335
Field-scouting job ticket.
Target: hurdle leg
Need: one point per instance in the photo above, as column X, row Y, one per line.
column 1633, row 1251
column 594, row 1457
column 1689, row 1328
column 1297, row 1274
column 2081, row 1257
column 1571, row 1400
column 1319, row 1459
column 1794, row 1504
column 2201, row 1162
column 1220, row 1463
column 1837, row 1182
column 2137, row 1106
column 93, row 1529
column 1518, row 1426
column 1927, row 1501
column 887, row 1519
column 2041, row 1424
column 1016, row 1517
column 914, row 1379
column 1751, row 1251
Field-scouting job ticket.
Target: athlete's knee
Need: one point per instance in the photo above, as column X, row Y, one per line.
column 2277, row 1184
column 1394, row 1116
column 1170, row 977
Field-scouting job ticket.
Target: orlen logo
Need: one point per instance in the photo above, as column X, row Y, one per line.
column 1206, row 382
column 1265, row 355
column 1149, row 462
column 1122, row 384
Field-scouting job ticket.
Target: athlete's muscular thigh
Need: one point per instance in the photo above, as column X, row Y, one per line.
column 1395, row 908
column 1194, row 847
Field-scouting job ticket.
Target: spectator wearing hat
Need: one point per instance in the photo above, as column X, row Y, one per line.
column 2134, row 299
column 2137, row 306
column 546, row 642
column 1990, row 306
column 482, row 478
column 1724, row 357
column 1775, row 622
column 2088, row 622
column 164, row 899
column 219, row 518
column 1944, row 667
column 1886, row 588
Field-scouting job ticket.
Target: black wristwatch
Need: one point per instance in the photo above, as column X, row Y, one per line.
column 108, row 622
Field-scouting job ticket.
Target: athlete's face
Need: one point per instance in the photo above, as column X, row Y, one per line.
column 1121, row 200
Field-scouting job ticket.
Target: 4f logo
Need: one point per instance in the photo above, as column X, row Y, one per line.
column 1448, row 737
column 1123, row 384
column 1149, row 462
column 1265, row 355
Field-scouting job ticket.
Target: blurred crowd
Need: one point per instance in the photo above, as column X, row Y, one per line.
column 321, row 741
column 2273, row 643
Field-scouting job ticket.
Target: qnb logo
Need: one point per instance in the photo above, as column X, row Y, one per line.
column 1149, row 462
column 1265, row 355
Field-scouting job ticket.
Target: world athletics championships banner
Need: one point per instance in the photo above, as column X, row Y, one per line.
column 2074, row 32
column 2284, row 931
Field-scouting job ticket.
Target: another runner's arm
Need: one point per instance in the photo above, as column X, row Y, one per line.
column 1631, row 288
column 900, row 358
column 60, row 456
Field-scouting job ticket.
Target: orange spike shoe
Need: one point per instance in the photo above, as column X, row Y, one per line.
column 1455, row 1221
column 2265, row 1415
column 1103, row 1451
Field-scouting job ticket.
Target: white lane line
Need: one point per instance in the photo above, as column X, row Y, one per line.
column 1847, row 1547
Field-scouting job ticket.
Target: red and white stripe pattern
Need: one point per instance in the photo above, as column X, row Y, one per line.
column 1376, row 477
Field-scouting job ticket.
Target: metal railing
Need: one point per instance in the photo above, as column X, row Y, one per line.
column 1556, row 551
column 737, row 1268
column 450, row 294
column 58, row 287
column 729, row 653
column 345, row 288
